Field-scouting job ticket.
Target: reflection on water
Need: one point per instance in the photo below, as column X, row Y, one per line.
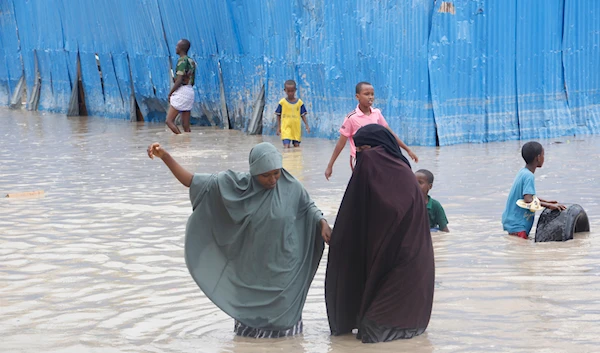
column 293, row 162
column 97, row 264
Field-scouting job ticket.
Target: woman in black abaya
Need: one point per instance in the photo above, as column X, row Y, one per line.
column 380, row 270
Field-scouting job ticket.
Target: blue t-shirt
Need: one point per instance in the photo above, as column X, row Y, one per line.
column 516, row 219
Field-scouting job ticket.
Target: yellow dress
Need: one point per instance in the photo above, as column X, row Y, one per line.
column 291, row 120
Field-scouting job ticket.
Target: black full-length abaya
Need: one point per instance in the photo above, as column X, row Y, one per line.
column 380, row 270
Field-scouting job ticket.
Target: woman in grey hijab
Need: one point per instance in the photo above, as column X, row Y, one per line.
column 253, row 242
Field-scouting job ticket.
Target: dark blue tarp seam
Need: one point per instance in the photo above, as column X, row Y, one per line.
column 516, row 76
column 437, row 139
column 562, row 56
column 112, row 60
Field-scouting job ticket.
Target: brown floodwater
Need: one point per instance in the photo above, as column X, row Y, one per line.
column 96, row 264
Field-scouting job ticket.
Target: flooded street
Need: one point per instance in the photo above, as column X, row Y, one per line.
column 96, row 264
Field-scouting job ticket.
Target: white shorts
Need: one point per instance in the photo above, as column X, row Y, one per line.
column 183, row 98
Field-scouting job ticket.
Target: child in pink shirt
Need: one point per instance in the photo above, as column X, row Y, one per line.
column 363, row 115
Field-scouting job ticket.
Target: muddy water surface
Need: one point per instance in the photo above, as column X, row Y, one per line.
column 96, row 265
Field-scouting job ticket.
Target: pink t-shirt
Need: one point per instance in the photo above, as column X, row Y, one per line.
column 357, row 119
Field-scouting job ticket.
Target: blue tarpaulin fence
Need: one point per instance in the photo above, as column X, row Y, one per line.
column 455, row 71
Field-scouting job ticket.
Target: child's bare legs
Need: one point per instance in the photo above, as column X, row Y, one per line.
column 286, row 143
column 171, row 115
column 296, row 144
column 185, row 121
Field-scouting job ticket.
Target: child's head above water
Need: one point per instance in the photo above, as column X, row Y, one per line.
column 365, row 94
column 425, row 179
column 290, row 89
column 533, row 154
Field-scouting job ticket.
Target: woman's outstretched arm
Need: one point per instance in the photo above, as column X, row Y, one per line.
column 184, row 176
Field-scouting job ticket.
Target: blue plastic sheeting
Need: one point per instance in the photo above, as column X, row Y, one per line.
column 497, row 73
column 581, row 57
column 449, row 72
column 472, row 70
column 328, row 47
column 107, row 93
column 11, row 68
column 384, row 43
column 40, row 33
column 542, row 100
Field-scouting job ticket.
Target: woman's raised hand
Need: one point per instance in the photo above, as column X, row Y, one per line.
column 156, row 150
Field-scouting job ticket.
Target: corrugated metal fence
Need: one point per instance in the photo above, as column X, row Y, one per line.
column 460, row 71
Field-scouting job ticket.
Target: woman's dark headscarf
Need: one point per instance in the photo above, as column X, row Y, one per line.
column 376, row 135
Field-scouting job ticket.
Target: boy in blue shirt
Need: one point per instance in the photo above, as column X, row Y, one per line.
column 518, row 221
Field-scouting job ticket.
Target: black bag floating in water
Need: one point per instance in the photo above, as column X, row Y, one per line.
column 555, row 225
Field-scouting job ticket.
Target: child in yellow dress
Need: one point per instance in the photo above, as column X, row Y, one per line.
column 289, row 112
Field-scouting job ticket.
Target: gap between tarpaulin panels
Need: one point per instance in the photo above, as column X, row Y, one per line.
column 135, row 113
column 77, row 105
column 34, row 98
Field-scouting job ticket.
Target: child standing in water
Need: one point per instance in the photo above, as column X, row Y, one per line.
column 518, row 221
column 289, row 112
column 363, row 115
column 437, row 216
